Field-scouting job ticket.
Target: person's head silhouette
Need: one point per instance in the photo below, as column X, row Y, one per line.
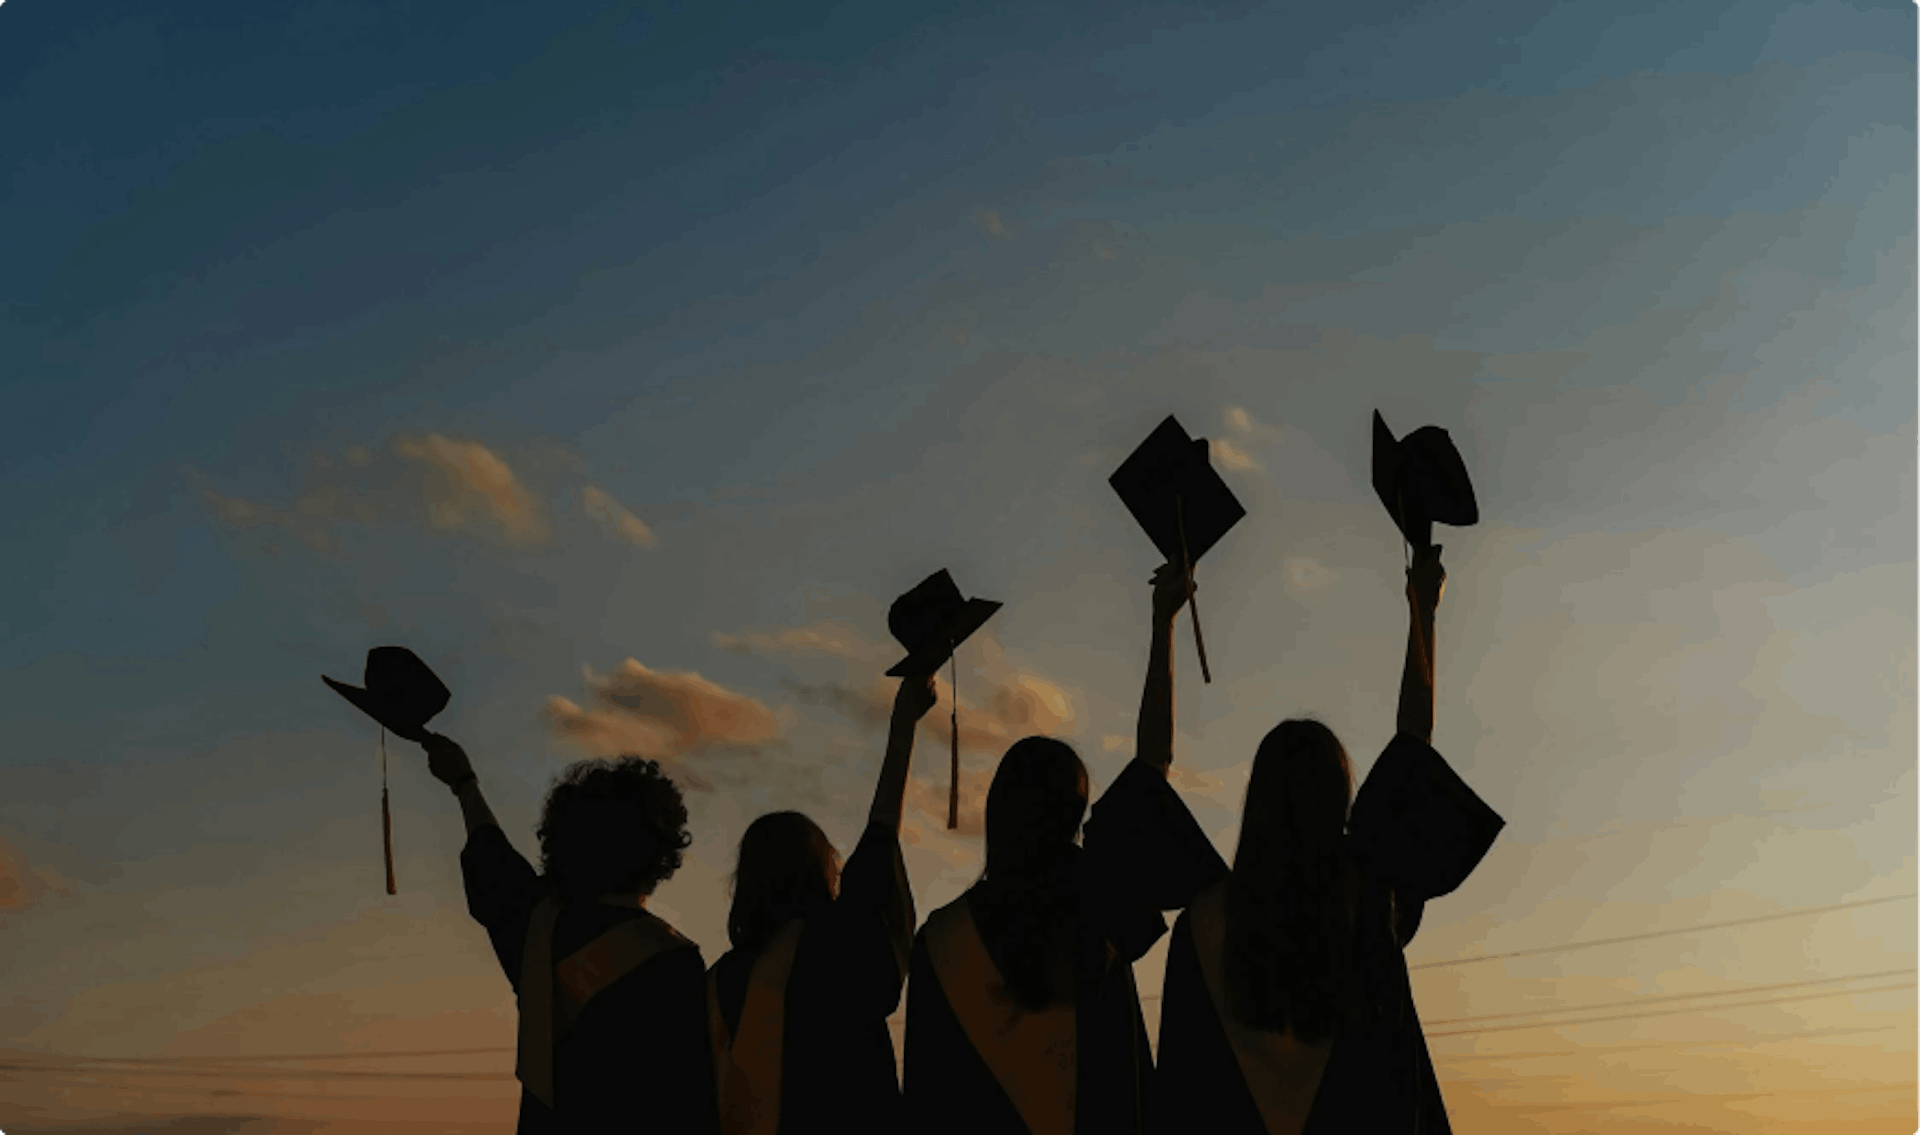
column 612, row 828
column 1034, row 808
column 787, row 868
column 1288, row 930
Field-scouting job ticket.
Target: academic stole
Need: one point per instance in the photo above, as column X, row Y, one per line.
column 553, row 997
column 1032, row 1054
column 1281, row 1073
column 747, row 1066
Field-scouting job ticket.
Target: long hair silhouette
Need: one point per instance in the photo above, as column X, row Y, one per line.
column 1034, row 808
column 787, row 868
column 1290, row 949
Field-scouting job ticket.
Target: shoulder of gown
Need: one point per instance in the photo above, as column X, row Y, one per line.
column 1417, row 823
column 1143, row 854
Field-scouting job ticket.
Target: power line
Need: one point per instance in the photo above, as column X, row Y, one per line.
column 1671, row 997
column 1670, row 1012
column 1664, row 933
column 1650, row 1000
column 1810, row 1034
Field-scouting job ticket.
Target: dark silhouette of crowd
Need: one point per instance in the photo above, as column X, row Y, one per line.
column 1286, row 1006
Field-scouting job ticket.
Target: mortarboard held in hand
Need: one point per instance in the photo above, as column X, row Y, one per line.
column 402, row 694
column 931, row 621
column 1421, row 479
column 1172, row 490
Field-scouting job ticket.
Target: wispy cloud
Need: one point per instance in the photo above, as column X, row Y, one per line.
column 663, row 714
column 467, row 482
column 1304, row 573
column 24, row 880
column 614, row 519
column 465, row 487
column 307, row 520
column 1232, row 456
column 990, row 221
column 999, row 705
column 827, row 638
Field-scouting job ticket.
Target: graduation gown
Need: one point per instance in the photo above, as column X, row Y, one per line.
column 635, row 1058
column 1416, row 831
column 1084, row 1067
column 823, row 1059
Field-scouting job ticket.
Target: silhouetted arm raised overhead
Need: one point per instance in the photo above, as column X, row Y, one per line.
column 1153, row 736
column 910, row 703
column 449, row 765
column 1143, row 853
column 1425, row 581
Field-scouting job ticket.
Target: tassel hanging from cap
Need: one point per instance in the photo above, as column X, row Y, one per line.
column 1193, row 603
column 386, row 814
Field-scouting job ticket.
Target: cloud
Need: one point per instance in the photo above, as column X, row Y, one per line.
column 1250, row 434
column 664, row 715
column 824, row 638
column 307, row 520
column 1242, row 422
column 999, row 705
column 608, row 732
column 466, row 481
column 1030, row 703
column 990, row 222
column 692, row 707
column 22, row 884
column 927, row 797
column 1304, row 573
column 465, row 486
column 614, row 519
column 1232, row 456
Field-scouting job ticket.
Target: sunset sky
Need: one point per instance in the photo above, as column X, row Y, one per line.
column 625, row 362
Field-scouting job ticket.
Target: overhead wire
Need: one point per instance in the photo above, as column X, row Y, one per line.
column 1662, row 933
column 1669, row 1012
column 1673, row 997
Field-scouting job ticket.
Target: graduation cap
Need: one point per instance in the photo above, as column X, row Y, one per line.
column 1170, row 487
column 931, row 621
column 402, row 694
column 1421, row 479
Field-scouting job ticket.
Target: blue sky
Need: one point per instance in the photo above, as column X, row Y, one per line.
column 828, row 299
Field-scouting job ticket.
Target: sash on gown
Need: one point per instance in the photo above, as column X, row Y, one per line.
column 747, row 1066
column 1282, row 1073
column 1032, row 1055
column 548, row 1014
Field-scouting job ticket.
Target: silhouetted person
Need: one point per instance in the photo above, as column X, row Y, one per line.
column 1287, row 1006
column 798, row 1007
column 613, row 1025
column 1022, row 1014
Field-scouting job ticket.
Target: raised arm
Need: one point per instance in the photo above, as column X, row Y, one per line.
column 910, row 703
column 449, row 765
column 1426, row 579
column 1153, row 736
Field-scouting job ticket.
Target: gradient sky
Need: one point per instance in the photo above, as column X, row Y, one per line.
column 626, row 362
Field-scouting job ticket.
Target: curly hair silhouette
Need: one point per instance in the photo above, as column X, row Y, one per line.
column 615, row 827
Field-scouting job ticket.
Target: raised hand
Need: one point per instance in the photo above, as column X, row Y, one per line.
column 1170, row 591
column 915, row 697
column 910, row 703
column 446, row 761
column 1426, row 579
